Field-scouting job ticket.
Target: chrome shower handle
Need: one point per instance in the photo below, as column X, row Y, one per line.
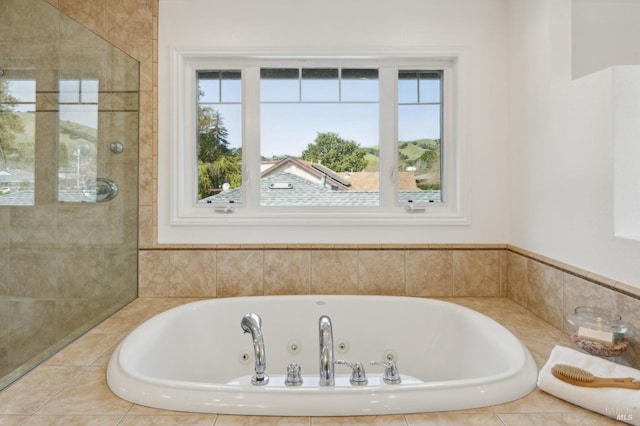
column 105, row 189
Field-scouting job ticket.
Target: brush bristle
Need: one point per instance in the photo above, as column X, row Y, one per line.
column 571, row 372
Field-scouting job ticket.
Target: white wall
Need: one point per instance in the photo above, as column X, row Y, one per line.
column 562, row 145
column 477, row 26
column 605, row 33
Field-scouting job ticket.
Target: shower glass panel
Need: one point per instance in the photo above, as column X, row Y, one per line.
column 68, row 182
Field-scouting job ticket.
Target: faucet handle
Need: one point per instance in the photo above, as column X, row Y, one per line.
column 294, row 378
column 391, row 373
column 358, row 375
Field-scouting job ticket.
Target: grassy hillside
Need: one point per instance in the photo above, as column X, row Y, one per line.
column 409, row 151
column 71, row 137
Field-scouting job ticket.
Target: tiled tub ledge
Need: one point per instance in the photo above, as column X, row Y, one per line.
column 70, row 388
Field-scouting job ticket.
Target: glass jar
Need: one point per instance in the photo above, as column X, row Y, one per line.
column 598, row 331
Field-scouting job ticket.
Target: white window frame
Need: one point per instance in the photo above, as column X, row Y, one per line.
column 182, row 220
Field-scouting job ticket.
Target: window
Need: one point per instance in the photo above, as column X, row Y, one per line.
column 219, row 133
column 315, row 127
column 319, row 136
column 420, row 135
column 78, row 138
column 17, row 136
column 259, row 140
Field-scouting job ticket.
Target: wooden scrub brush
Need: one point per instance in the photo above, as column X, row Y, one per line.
column 579, row 377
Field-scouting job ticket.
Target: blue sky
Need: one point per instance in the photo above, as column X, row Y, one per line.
column 288, row 125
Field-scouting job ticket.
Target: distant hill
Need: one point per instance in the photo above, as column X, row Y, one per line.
column 71, row 137
column 410, row 151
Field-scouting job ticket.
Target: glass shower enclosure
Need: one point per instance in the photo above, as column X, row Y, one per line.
column 68, row 182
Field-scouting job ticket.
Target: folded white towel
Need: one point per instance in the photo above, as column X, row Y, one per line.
column 617, row 403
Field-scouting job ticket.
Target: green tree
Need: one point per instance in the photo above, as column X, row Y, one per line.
column 217, row 163
column 338, row 154
column 212, row 135
column 10, row 123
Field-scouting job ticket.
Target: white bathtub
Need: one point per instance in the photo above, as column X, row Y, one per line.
column 194, row 357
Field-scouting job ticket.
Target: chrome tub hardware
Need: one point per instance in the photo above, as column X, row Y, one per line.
column 358, row 375
column 294, row 377
column 252, row 323
column 327, row 375
column 391, row 373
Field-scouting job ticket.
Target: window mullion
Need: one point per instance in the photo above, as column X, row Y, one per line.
column 388, row 134
column 251, row 136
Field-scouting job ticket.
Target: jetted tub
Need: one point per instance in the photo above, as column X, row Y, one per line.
column 195, row 357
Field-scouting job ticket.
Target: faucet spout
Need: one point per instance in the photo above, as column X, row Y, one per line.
column 327, row 376
column 252, row 323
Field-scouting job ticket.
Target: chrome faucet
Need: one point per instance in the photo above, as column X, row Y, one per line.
column 251, row 323
column 327, row 376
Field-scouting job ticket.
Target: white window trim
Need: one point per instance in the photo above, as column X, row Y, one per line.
column 182, row 220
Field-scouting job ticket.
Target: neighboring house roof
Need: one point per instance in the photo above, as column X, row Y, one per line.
column 286, row 189
column 368, row 181
column 353, row 181
column 313, row 172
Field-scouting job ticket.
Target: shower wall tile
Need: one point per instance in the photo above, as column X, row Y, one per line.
column 4, row 322
column 476, row 273
column 4, row 228
column 128, row 22
column 334, row 272
column 32, row 328
column 192, row 274
column 87, row 231
column 146, row 234
column 90, row 12
column 75, row 316
column 39, row 28
column 81, row 274
column 429, row 273
column 4, row 276
column 381, row 272
column 141, row 49
column 287, row 272
column 240, row 273
column 123, row 74
column 33, row 274
column 118, row 101
column 146, row 131
column 146, row 182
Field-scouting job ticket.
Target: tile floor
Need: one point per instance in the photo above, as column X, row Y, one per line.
column 70, row 387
